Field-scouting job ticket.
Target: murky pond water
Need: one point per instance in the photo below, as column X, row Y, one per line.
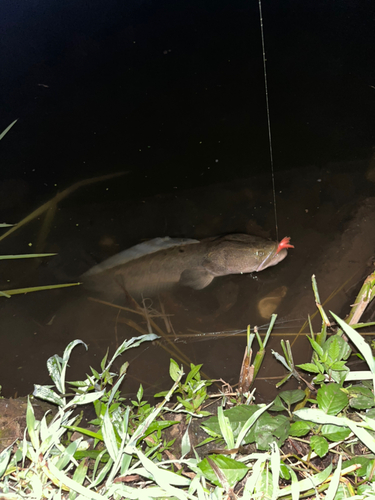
column 327, row 211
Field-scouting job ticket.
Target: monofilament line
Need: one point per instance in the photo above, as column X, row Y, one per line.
column 268, row 117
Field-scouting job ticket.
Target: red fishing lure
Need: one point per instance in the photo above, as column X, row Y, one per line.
column 284, row 243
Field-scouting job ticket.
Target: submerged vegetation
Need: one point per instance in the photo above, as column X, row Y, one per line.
column 306, row 443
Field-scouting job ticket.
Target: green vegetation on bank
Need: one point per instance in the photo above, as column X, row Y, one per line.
column 306, row 443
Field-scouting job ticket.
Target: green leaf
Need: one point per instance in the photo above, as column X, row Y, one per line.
column 83, row 399
column 237, row 416
column 4, row 460
column 317, row 348
column 359, row 342
column 109, row 437
column 277, row 405
column 291, row 397
column 309, row 482
column 309, row 367
column 161, row 394
column 5, row 131
column 174, row 370
column 194, row 370
column 233, row 470
column 331, row 399
column 319, row 445
column 360, row 402
column 363, row 461
column 32, row 427
column 344, row 492
column 319, row 379
column 300, row 428
column 338, row 366
column 264, row 485
column 284, row 472
column 140, row 393
column 86, row 432
column 335, row 432
column 104, row 360
column 79, row 476
column 344, row 349
column 26, row 256
column 225, row 428
column 68, row 454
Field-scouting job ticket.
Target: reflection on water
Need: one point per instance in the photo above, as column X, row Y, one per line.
column 199, row 326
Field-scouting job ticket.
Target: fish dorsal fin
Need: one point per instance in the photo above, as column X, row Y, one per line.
column 137, row 251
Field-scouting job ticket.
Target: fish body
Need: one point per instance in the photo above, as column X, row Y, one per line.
column 164, row 262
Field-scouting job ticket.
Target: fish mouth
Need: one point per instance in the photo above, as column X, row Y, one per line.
column 272, row 259
column 262, row 264
column 277, row 255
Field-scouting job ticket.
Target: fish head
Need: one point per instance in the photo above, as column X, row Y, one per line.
column 242, row 253
column 273, row 253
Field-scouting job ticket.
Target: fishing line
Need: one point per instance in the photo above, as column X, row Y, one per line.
column 268, row 117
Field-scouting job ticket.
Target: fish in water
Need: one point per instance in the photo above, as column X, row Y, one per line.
column 163, row 262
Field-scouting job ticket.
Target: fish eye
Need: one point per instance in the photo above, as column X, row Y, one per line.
column 260, row 253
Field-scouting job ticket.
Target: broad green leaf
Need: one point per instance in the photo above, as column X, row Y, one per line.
column 334, row 348
column 338, row 366
column 44, row 392
column 319, row 445
column 284, row 472
column 250, row 422
column 174, row 370
column 194, row 370
column 309, row 367
column 300, row 428
column 277, row 405
column 344, row 348
column 317, row 348
column 233, row 470
column 291, row 397
column 237, row 416
column 331, row 399
column 265, row 426
column 320, row 417
column 360, row 402
column 334, row 432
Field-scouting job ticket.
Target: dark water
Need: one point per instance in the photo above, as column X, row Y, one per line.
column 318, row 210
column 173, row 94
